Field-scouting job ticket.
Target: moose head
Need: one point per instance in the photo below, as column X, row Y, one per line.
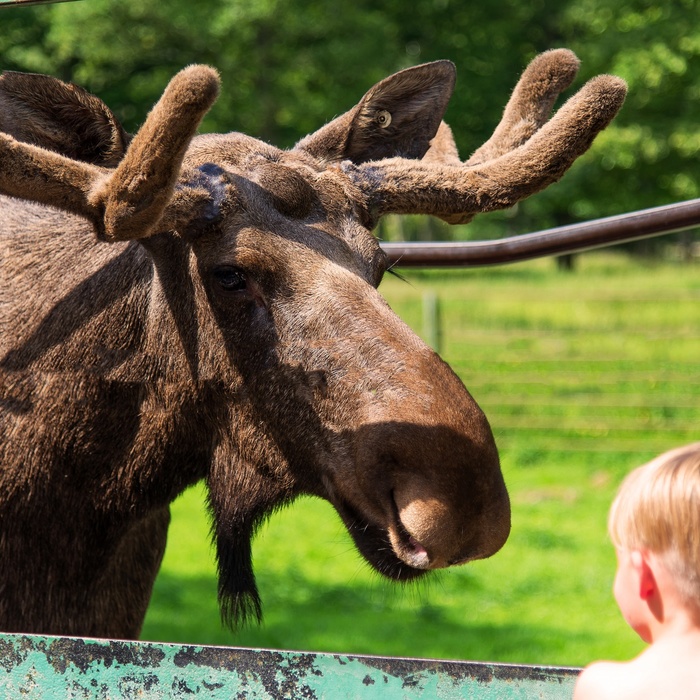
column 224, row 324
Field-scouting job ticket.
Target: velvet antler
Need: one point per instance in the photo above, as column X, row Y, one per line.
column 127, row 202
column 525, row 154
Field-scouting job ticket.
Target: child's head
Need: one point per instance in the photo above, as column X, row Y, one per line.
column 658, row 509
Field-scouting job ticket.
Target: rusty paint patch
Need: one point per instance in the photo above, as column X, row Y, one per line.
column 63, row 651
column 281, row 675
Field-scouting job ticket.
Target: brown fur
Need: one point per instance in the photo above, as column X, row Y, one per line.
column 231, row 331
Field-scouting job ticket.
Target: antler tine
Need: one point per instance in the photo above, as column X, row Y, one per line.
column 31, row 172
column 135, row 197
column 527, row 110
column 531, row 103
column 456, row 192
column 128, row 202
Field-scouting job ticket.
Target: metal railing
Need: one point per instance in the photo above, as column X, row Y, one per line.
column 38, row 667
column 15, row 3
column 574, row 238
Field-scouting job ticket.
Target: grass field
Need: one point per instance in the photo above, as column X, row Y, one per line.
column 583, row 375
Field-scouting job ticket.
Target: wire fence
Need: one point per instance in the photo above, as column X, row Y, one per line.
column 587, row 362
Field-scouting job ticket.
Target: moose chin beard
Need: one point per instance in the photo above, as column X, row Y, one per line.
column 233, row 532
column 239, row 504
column 239, row 600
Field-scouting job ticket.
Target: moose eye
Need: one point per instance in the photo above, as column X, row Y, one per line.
column 231, row 279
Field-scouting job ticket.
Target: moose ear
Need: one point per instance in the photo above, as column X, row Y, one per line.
column 60, row 117
column 398, row 117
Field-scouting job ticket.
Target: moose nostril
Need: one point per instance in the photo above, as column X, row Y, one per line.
column 418, row 548
column 417, row 555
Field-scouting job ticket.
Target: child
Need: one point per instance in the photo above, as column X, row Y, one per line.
column 654, row 524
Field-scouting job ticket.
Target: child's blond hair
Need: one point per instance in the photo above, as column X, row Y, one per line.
column 658, row 509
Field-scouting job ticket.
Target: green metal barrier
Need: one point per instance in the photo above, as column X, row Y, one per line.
column 63, row 667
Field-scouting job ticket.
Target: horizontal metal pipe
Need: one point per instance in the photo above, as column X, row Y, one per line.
column 555, row 241
column 15, row 3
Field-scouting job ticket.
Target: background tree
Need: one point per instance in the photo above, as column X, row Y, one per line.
column 288, row 67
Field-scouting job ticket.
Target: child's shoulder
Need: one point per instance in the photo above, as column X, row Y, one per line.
column 606, row 679
column 662, row 670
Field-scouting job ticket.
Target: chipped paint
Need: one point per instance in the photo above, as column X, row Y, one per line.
column 59, row 667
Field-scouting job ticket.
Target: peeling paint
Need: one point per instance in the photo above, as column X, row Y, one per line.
column 60, row 667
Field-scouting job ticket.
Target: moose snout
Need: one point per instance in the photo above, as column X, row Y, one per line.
column 423, row 488
column 432, row 533
column 443, row 497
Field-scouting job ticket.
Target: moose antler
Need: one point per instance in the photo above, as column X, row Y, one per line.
column 149, row 192
column 525, row 154
column 127, row 202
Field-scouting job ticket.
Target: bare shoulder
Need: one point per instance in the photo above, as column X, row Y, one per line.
column 606, row 679
column 663, row 670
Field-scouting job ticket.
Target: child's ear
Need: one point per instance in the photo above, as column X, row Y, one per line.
column 647, row 581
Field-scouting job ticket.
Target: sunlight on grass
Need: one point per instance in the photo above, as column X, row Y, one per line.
column 583, row 376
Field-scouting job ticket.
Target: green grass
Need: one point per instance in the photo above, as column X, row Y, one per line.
column 583, row 376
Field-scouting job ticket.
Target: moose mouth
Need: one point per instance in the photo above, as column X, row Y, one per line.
column 391, row 551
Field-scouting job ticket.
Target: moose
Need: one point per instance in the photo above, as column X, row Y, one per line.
column 178, row 307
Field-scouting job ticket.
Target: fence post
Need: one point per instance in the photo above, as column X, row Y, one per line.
column 432, row 321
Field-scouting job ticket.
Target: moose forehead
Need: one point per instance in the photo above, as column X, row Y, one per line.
column 274, row 201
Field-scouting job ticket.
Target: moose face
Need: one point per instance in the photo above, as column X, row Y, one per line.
column 341, row 399
column 248, row 314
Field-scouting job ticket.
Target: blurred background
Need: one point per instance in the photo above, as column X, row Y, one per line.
column 584, row 373
column 290, row 66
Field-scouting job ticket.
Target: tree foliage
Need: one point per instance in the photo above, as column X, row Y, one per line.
column 288, row 67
